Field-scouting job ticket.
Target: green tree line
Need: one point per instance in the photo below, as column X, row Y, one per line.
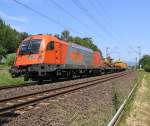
column 10, row 39
column 86, row 41
column 145, row 62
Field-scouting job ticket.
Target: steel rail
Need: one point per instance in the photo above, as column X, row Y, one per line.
column 56, row 88
column 15, row 86
column 57, row 93
column 24, row 85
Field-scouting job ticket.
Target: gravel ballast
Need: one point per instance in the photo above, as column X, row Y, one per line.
column 87, row 107
column 6, row 93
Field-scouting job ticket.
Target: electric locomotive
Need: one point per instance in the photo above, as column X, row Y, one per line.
column 43, row 57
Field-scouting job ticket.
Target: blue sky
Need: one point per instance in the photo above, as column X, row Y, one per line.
column 121, row 25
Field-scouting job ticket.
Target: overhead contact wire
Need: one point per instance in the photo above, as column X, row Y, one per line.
column 44, row 16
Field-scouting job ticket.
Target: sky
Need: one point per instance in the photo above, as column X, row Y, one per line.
column 120, row 25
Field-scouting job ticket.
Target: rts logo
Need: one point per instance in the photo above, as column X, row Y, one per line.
column 76, row 57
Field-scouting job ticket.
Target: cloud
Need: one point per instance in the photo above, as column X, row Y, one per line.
column 13, row 18
column 19, row 28
column 26, row 1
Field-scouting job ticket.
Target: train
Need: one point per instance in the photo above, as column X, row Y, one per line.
column 46, row 57
column 120, row 65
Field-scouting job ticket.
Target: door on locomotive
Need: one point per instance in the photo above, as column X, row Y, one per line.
column 54, row 53
column 57, row 53
column 50, row 53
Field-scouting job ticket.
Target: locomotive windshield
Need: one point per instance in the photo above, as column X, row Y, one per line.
column 30, row 47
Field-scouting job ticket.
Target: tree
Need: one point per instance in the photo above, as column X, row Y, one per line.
column 145, row 62
column 86, row 41
column 9, row 38
column 65, row 35
column 21, row 36
column 147, row 67
column 57, row 36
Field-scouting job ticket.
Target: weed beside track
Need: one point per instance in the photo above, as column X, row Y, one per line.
column 137, row 110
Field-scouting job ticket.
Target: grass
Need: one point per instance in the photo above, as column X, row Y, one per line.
column 120, row 90
column 129, row 108
column 116, row 99
column 147, row 97
column 3, row 66
column 6, row 79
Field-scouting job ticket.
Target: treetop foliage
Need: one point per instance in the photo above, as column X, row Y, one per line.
column 9, row 38
column 145, row 62
column 86, row 42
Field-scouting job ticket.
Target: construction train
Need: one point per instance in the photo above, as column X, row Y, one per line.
column 45, row 57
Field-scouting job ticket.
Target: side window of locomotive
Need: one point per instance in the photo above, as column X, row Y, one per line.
column 50, row 45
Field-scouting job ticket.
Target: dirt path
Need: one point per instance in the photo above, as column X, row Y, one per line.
column 139, row 114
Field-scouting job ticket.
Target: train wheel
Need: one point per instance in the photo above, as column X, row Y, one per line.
column 40, row 80
column 69, row 75
column 26, row 78
column 54, row 76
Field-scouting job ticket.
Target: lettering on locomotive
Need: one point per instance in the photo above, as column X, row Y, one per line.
column 76, row 57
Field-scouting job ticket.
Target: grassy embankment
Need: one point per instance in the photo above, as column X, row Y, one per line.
column 137, row 112
column 6, row 79
column 3, row 66
column 121, row 89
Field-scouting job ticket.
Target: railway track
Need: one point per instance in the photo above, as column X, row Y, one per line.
column 20, row 102
column 14, row 86
column 27, row 84
column 23, row 85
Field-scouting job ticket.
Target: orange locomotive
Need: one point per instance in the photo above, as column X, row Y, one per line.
column 44, row 57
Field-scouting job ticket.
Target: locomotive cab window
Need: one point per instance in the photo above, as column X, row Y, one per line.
column 50, row 45
column 30, row 47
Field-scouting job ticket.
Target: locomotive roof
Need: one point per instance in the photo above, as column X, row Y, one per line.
column 62, row 41
column 80, row 47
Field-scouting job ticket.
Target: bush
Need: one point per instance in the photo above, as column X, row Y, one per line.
column 145, row 62
column 147, row 67
column 10, row 58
